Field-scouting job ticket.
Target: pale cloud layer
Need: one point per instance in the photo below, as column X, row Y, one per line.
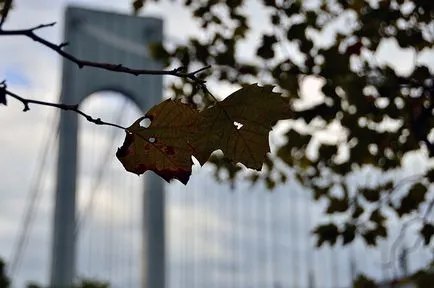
column 216, row 237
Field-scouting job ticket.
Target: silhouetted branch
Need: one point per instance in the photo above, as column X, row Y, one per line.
column 30, row 33
column 26, row 102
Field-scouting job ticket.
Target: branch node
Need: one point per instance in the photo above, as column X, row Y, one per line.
column 63, row 44
column 179, row 69
column 44, row 26
column 200, row 70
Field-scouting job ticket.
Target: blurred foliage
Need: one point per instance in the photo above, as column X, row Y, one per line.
column 5, row 282
column 421, row 279
column 382, row 114
column 88, row 283
column 4, row 279
column 359, row 94
column 364, row 282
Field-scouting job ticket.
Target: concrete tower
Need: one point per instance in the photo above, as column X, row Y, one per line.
column 117, row 39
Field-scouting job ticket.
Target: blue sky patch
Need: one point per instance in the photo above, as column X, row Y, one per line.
column 15, row 76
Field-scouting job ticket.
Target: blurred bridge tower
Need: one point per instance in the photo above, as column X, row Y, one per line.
column 118, row 39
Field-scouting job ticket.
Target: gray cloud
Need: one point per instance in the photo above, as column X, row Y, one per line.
column 216, row 237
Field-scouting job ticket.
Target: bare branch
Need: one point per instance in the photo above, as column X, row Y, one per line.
column 30, row 33
column 26, row 102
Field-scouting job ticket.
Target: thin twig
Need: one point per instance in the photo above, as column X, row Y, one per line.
column 30, row 33
column 26, row 102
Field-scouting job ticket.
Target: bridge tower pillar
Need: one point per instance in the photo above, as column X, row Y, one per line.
column 117, row 39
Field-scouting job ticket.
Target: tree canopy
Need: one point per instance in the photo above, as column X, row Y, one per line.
column 381, row 114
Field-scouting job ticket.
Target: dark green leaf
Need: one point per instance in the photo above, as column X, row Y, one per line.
column 377, row 217
column 358, row 211
column 326, row 233
column 370, row 237
column 349, row 233
column 266, row 49
column 410, row 202
column 380, row 231
column 320, row 191
column 427, row 232
column 337, row 205
column 372, row 195
column 429, row 174
column 270, row 183
column 364, row 282
column 327, row 151
column 137, row 5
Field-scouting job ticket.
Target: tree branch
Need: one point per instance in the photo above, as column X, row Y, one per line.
column 30, row 33
column 26, row 102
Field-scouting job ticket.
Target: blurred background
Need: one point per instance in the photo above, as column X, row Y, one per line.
column 218, row 233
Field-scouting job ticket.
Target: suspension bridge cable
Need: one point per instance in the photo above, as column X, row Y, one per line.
column 93, row 159
column 107, row 155
column 109, row 251
column 215, row 239
column 257, row 256
column 132, row 214
column 208, row 234
column 85, row 217
column 294, row 234
column 240, row 228
column 34, row 194
column 269, row 241
column 195, row 234
column 234, row 254
column 124, row 256
column 309, row 254
column 334, row 265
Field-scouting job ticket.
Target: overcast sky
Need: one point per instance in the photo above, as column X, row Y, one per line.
column 216, row 237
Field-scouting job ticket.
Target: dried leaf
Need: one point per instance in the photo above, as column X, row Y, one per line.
column 163, row 147
column 239, row 126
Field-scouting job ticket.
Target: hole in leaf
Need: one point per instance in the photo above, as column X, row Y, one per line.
column 238, row 125
column 145, row 123
column 152, row 140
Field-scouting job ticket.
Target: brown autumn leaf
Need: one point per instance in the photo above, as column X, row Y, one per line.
column 239, row 126
column 163, row 146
